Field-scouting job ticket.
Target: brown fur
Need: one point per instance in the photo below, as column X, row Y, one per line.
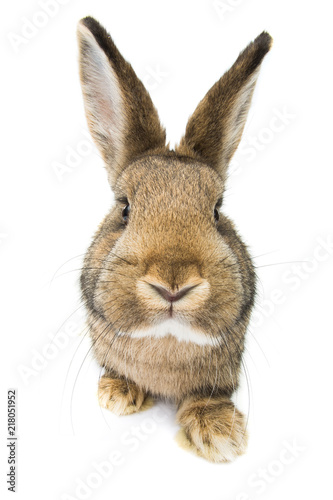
column 212, row 427
column 171, row 240
column 211, row 133
column 143, row 129
column 121, row 396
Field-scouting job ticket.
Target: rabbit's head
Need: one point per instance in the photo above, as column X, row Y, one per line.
column 165, row 252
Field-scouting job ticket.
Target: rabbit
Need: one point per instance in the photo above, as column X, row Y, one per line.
column 167, row 282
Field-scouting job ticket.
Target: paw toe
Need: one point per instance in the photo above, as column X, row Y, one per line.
column 213, row 429
column 121, row 397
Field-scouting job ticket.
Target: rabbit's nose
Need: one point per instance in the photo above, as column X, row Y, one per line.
column 172, row 296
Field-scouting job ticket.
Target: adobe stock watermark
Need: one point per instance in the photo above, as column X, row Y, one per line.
column 154, row 77
column 260, row 480
column 31, row 27
column 225, row 7
column 130, row 440
column 74, row 156
column 41, row 358
column 252, row 145
column 3, row 237
column 293, row 278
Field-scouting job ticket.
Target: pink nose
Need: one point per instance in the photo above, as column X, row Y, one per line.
column 172, row 297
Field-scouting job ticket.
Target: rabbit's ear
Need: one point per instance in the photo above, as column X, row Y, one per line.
column 121, row 116
column 215, row 129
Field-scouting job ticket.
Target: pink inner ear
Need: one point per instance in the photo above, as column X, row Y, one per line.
column 105, row 112
column 102, row 98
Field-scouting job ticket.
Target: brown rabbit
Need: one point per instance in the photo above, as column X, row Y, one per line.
column 167, row 282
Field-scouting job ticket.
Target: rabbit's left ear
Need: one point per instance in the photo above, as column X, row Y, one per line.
column 215, row 129
column 121, row 116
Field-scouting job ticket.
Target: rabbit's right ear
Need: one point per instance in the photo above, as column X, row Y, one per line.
column 121, row 116
column 215, row 129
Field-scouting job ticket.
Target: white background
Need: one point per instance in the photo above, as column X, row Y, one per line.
column 279, row 195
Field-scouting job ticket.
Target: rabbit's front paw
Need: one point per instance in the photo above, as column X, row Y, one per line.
column 121, row 396
column 212, row 428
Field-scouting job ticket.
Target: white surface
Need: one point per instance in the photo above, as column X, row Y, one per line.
column 279, row 194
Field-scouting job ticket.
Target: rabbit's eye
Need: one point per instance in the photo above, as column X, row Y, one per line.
column 216, row 209
column 125, row 213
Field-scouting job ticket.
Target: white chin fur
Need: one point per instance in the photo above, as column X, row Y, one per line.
column 181, row 331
